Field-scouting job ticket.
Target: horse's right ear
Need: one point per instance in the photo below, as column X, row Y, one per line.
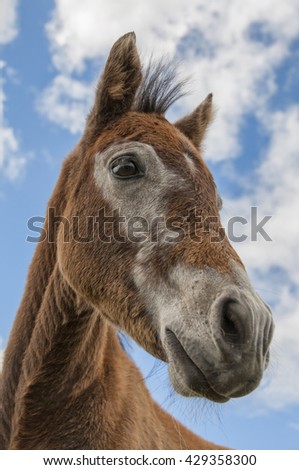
column 117, row 87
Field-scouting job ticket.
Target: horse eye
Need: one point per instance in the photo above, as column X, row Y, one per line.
column 125, row 167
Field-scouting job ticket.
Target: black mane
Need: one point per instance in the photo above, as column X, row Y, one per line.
column 159, row 89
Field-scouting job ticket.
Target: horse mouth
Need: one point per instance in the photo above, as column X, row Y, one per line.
column 186, row 377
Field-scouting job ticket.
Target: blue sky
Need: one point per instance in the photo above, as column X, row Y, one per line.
column 51, row 55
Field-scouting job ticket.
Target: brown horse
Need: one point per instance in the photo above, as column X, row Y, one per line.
column 131, row 242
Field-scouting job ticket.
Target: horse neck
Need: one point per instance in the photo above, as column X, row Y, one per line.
column 66, row 356
column 68, row 339
column 21, row 332
column 40, row 271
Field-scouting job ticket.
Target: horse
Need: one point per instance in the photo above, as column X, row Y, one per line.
column 132, row 242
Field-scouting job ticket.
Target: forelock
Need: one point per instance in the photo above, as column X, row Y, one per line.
column 159, row 89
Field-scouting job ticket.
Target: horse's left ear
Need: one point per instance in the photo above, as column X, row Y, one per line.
column 118, row 85
column 195, row 125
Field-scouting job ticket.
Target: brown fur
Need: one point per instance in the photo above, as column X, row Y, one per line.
column 67, row 383
column 189, row 124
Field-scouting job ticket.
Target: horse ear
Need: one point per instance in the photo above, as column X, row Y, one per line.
column 195, row 125
column 119, row 82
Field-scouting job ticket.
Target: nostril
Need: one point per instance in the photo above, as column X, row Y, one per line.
column 231, row 324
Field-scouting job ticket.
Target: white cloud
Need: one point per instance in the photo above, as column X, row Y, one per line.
column 66, row 102
column 231, row 51
column 282, row 385
column 276, row 189
column 12, row 161
column 8, row 20
column 274, row 265
column 79, row 32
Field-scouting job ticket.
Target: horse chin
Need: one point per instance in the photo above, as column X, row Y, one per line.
column 194, row 384
column 195, row 380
